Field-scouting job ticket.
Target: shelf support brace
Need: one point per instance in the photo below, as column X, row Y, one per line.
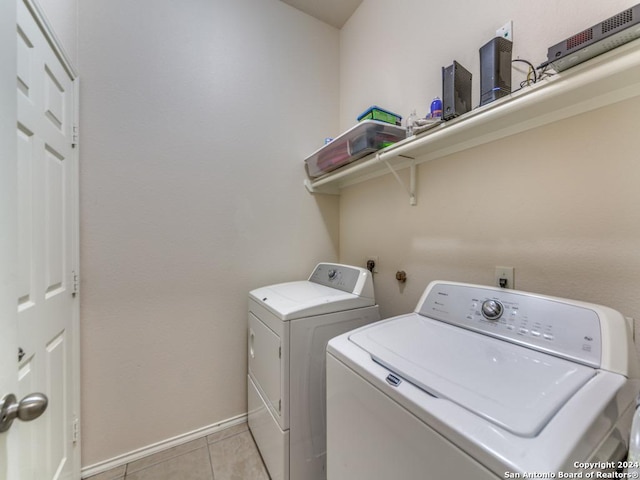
column 412, row 179
column 326, row 190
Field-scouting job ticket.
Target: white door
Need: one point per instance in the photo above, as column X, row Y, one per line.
column 8, row 240
column 47, row 304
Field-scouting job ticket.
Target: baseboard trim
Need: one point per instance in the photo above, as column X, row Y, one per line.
column 125, row 458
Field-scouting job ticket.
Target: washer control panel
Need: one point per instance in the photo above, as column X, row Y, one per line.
column 492, row 309
column 543, row 323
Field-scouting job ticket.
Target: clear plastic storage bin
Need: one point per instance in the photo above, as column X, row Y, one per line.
column 359, row 141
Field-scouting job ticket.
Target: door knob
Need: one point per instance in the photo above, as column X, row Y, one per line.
column 29, row 408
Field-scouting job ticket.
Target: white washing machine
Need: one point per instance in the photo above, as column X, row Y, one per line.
column 289, row 327
column 482, row 383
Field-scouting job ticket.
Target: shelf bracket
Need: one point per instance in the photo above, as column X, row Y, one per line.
column 325, row 190
column 411, row 190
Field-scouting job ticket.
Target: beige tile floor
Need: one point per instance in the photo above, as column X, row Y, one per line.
column 230, row 454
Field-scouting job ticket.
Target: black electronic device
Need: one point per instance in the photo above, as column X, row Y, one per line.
column 607, row 35
column 495, row 69
column 456, row 91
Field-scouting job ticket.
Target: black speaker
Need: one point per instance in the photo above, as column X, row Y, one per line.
column 456, row 91
column 495, row 70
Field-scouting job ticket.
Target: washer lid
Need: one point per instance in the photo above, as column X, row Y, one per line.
column 293, row 300
column 514, row 387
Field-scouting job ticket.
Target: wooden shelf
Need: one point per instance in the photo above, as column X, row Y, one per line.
column 608, row 78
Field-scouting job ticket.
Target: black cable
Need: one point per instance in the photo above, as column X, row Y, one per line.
column 535, row 76
column 544, row 71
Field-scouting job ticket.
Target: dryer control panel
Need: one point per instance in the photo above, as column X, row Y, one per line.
column 547, row 324
column 343, row 277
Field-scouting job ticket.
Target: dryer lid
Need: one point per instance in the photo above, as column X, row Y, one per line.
column 512, row 386
column 293, row 300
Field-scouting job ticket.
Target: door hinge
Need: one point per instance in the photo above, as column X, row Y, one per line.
column 75, row 287
column 279, row 352
column 75, row 136
column 280, row 406
column 75, row 430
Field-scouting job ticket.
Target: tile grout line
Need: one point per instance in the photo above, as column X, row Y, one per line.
column 169, row 457
column 204, row 443
column 213, row 473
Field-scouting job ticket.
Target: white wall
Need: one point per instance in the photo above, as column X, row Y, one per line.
column 558, row 203
column 195, row 119
column 392, row 52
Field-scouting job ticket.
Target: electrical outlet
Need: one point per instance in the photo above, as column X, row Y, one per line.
column 504, row 277
column 375, row 260
column 506, row 31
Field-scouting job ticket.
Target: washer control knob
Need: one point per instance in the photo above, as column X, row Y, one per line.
column 492, row 309
column 332, row 274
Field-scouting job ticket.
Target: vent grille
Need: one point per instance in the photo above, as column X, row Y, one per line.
column 617, row 21
column 579, row 38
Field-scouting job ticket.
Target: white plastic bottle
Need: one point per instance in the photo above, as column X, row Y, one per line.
column 411, row 120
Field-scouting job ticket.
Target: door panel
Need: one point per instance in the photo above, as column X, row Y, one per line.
column 25, row 213
column 47, row 226
column 55, row 225
column 56, row 381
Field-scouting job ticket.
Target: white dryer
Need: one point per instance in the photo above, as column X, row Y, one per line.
column 482, row 383
column 289, row 327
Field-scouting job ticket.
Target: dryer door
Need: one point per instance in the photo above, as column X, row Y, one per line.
column 265, row 364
